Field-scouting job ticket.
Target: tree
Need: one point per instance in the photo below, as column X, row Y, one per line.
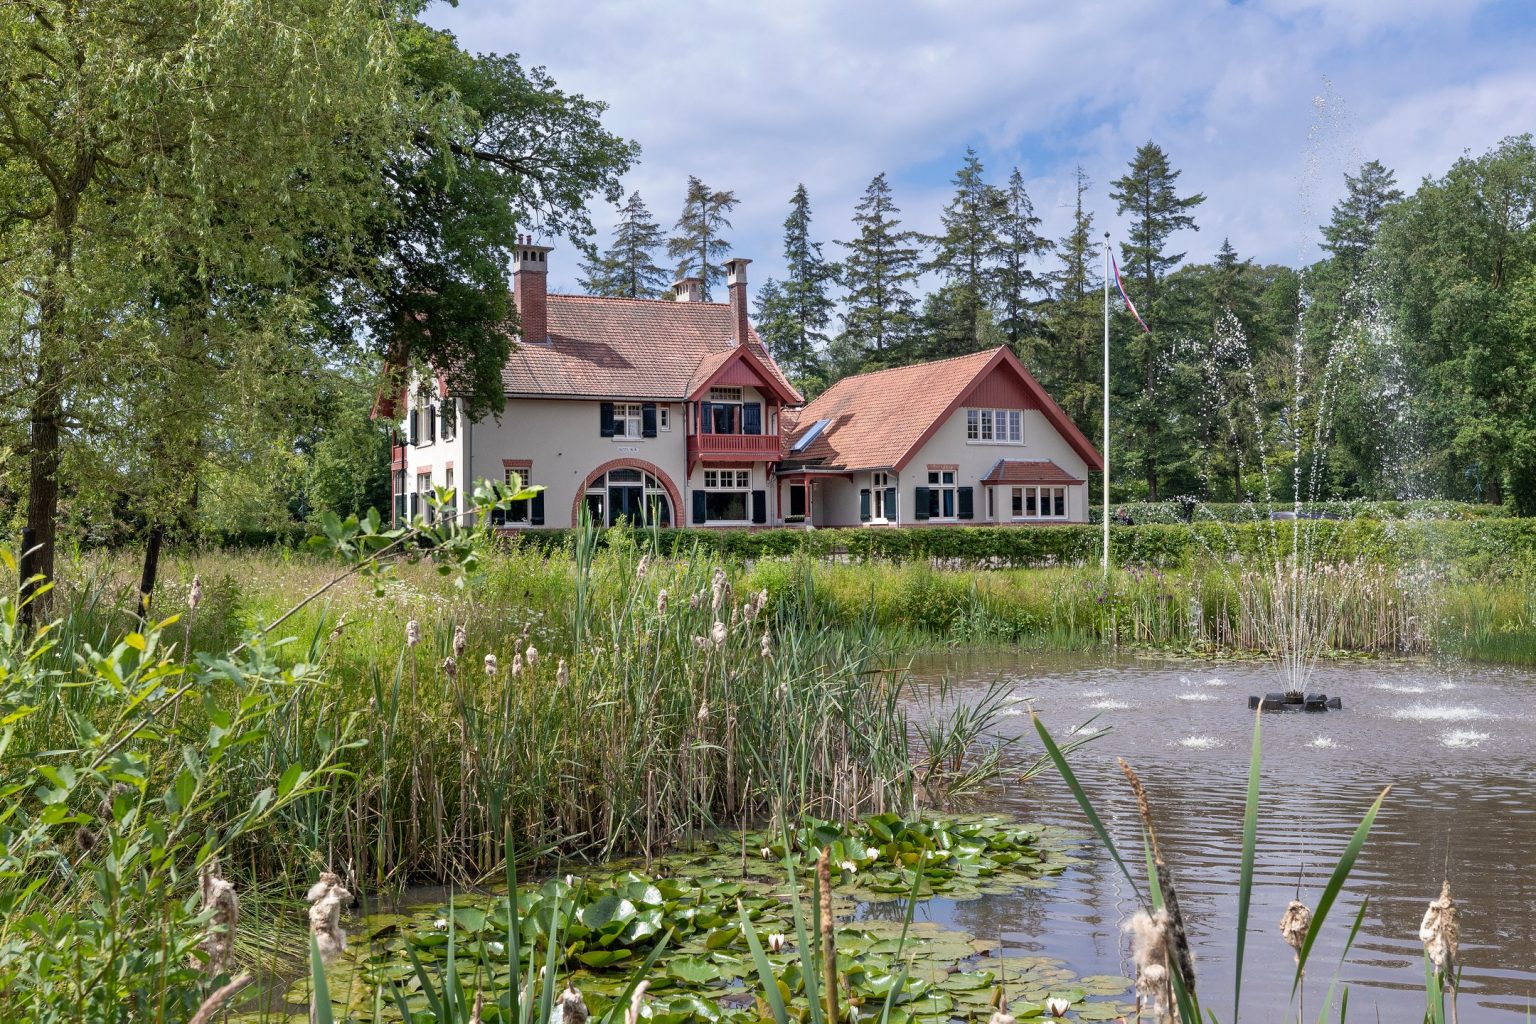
column 1350, row 234
column 798, row 310
column 1018, row 286
column 878, row 272
column 966, row 256
column 1147, row 192
column 697, row 246
column 1068, row 366
column 628, row 269
column 118, row 177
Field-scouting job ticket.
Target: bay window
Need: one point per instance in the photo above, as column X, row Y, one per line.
column 1039, row 503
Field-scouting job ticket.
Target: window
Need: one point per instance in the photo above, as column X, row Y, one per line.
column 420, row 506
column 942, row 500
column 664, row 417
column 519, row 511
column 727, row 495
column 796, row 503
column 725, row 394
column 449, row 419
column 448, row 483
column 401, row 499
column 880, row 484
column 722, row 418
column 628, row 495
column 727, row 412
column 994, row 426
column 1039, row 503
column 627, row 420
column 809, row 436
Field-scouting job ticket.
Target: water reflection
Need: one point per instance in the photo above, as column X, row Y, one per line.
column 1456, row 747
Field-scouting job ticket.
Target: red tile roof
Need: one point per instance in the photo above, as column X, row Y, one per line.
column 879, row 420
column 629, row 348
column 1028, row 471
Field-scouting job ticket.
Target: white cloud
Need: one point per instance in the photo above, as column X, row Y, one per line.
column 757, row 97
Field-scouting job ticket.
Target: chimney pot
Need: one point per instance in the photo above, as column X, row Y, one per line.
column 736, row 281
column 689, row 289
column 530, row 290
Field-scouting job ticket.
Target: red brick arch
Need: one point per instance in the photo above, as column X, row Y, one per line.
column 678, row 513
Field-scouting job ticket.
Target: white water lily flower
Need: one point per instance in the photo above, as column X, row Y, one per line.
column 1002, row 1017
column 497, row 948
column 441, row 924
column 767, row 852
column 848, row 867
column 1057, row 1007
column 777, row 941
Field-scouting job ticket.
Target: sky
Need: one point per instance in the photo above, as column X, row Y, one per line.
column 1262, row 105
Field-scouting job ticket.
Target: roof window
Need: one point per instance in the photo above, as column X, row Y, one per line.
column 810, row 435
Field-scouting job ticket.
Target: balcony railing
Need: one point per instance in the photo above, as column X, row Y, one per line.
column 736, row 446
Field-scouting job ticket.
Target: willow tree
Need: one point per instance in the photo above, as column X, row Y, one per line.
column 149, row 149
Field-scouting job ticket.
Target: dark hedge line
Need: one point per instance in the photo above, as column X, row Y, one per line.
column 1176, row 511
column 1476, row 547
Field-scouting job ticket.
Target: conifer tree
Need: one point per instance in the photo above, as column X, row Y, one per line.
column 878, row 272
column 1147, row 193
column 966, row 255
column 1068, row 367
column 1018, row 286
column 1348, row 237
column 628, row 269
column 792, row 315
column 697, row 246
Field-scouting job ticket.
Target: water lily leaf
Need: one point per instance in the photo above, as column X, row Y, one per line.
column 609, row 911
column 695, row 972
column 1099, row 1011
column 604, row 957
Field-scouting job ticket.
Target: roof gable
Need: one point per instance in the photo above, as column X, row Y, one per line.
column 740, row 366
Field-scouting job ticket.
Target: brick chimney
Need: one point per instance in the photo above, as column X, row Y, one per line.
column 530, row 289
column 689, row 289
column 736, row 281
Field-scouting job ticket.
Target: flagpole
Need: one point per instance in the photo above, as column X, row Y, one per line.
column 1105, row 557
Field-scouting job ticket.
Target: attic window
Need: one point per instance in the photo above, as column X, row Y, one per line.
column 725, row 394
column 810, row 435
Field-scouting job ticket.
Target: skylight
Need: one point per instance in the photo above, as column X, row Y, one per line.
column 810, row 435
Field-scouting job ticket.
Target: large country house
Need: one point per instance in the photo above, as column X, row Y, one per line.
column 672, row 411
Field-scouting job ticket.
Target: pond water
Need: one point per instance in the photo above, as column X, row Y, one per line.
column 1458, row 746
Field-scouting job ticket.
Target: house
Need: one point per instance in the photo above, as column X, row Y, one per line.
column 968, row 440
column 666, row 411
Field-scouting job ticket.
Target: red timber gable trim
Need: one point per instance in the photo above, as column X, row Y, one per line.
column 1044, row 403
column 742, row 367
column 649, row 467
column 999, row 389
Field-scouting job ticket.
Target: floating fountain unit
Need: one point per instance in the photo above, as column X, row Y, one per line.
column 1295, row 702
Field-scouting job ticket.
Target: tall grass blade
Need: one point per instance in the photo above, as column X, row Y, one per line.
column 771, row 993
column 1245, row 872
column 1335, row 885
column 1349, row 944
column 1060, row 760
column 622, row 1003
column 320, row 995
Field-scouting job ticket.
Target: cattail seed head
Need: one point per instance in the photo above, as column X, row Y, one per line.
column 766, row 647
column 573, row 1008
column 1149, row 952
column 219, row 898
column 517, row 665
column 195, row 593
column 531, row 659
column 490, row 665
column 717, row 634
column 450, row 667
column 412, row 633
column 85, row 839
column 460, row 641
column 562, row 675
column 1441, row 930
column 632, row 1015
column 643, row 567
column 1294, row 924
column 1001, row 1017
column 704, row 713
column 661, row 601
column 325, row 918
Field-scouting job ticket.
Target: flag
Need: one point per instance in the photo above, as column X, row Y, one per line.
column 1128, row 303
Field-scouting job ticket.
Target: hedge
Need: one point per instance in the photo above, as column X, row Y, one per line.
column 1178, row 511
column 1496, row 546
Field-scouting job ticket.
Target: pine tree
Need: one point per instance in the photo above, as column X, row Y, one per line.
column 1148, row 194
column 1348, row 237
column 966, row 255
column 792, row 315
column 1068, row 367
column 629, row 269
column 878, row 272
column 1018, row 286
column 697, row 246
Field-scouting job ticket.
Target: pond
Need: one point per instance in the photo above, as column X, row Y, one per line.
column 1458, row 746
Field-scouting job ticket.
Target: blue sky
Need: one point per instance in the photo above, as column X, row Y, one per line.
column 1262, row 104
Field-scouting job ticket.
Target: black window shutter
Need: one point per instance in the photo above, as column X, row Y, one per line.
column 864, row 505
column 921, row 512
column 967, row 503
column 752, row 419
column 700, row 508
column 706, row 418
column 415, row 425
column 759, row 507
column 890, row 503
column 537, row 518
column 648, row 419
column 431, row 425
column 415, row 505
column 605, row 419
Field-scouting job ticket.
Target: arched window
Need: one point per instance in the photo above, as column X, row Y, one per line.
column 628, row 494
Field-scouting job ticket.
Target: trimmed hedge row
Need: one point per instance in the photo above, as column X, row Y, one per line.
column 1475, row 547
column 1176, row 511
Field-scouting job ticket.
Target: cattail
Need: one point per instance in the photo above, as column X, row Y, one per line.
column 195, row 594
column 531, row 659
column 1149, row 952
column 517, row 665
column 632, row 1015
column 573, row 1008
column 643, row 567
column 327, row 897
column 1001, row 1017
column 1294, row 924
column 701, row 642
column 219, row 897
column 717, row 634
column 1441, row 932
column 341, row 625
column 490, row 666
column 450, row 667
column 412, row 633
column 661, row 601
column 704, row 714
column 766, row 647
column 460, row 642
column 562, row 675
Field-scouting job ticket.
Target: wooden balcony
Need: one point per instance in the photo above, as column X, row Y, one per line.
column 733, row 447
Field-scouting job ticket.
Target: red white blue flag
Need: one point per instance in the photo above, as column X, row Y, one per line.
column 1128, row 303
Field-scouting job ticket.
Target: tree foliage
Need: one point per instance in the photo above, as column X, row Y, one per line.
column 878, row 273
column 628, row 269
column 698, row 245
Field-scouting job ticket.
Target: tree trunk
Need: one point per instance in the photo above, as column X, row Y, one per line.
column 41, row 534
column 151, row 570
